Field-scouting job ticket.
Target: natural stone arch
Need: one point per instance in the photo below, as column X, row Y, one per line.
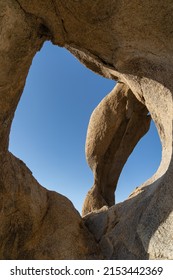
column 125, row 39
column 115, row 127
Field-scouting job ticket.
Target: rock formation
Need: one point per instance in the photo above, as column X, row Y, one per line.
column 35, row 223
column 115, row 127
column 128, row 40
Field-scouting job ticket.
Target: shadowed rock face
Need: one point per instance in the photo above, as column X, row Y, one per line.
column 128, row 40
column 115, row 127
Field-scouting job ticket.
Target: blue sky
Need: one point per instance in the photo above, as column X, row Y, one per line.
column 49, row 129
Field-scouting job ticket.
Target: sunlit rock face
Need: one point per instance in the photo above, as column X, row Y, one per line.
column 115, row 127
column 130, row 41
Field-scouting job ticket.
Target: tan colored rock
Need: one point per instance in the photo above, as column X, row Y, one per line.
column 37, row 223
column 115, row 127
column 131, row 40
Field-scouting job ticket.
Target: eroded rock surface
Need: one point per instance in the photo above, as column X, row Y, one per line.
column 115, row 127
column 37, row 223
column 131, row 40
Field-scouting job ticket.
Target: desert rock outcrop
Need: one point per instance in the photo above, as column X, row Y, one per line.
column 128, row 40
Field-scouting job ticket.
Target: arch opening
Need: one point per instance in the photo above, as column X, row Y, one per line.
column 49, row 129
column 141, row 165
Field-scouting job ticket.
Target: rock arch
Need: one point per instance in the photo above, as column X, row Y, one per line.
column 115, row 127
column 128, row 40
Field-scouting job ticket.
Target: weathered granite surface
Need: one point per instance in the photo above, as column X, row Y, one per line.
column 131, row 41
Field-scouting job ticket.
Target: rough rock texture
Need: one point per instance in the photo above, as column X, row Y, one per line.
column 115, row 127
column 35, row 223
column 128, row 40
